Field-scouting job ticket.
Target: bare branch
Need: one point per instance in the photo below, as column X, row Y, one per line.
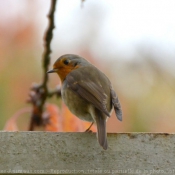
column 39, row 93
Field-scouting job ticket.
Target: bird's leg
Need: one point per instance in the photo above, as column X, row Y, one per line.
column 88, row 129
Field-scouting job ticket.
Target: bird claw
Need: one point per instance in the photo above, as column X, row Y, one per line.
column 88, row 130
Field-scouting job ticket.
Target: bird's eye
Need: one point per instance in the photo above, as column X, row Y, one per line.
column 66, row 62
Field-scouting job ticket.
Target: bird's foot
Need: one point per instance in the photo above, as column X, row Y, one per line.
column 88, row 130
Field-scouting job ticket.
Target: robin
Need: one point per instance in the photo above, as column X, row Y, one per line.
column 87, row 92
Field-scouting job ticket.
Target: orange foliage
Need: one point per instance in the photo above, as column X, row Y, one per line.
column 53, row 120
column 11, row 124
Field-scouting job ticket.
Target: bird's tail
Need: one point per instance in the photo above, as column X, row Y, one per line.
column 101, row 129
column 116, row 103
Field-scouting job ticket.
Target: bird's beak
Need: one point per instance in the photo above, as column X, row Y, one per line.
column 52, row 71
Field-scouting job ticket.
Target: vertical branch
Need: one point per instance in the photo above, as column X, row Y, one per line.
column 47, row 51
column 39, row 93
column 48, row 38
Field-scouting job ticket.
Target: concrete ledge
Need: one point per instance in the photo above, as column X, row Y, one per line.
column 79, row 153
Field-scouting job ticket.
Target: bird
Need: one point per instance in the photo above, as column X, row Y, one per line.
column 87, row 92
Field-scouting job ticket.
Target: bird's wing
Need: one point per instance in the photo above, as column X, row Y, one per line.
column 90, row 91
column 116, row 104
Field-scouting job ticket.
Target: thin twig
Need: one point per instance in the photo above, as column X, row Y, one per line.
column 48, row 38
column 40, row 92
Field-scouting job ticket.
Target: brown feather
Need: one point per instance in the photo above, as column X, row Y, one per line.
column 116, row 104
column 90, row 91
column 101, row 128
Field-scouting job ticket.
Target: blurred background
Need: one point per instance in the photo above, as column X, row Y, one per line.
column 132, row 42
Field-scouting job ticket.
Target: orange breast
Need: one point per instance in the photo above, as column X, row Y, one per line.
column 62, row 72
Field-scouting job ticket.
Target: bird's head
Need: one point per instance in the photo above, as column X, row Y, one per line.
column 67, row 63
